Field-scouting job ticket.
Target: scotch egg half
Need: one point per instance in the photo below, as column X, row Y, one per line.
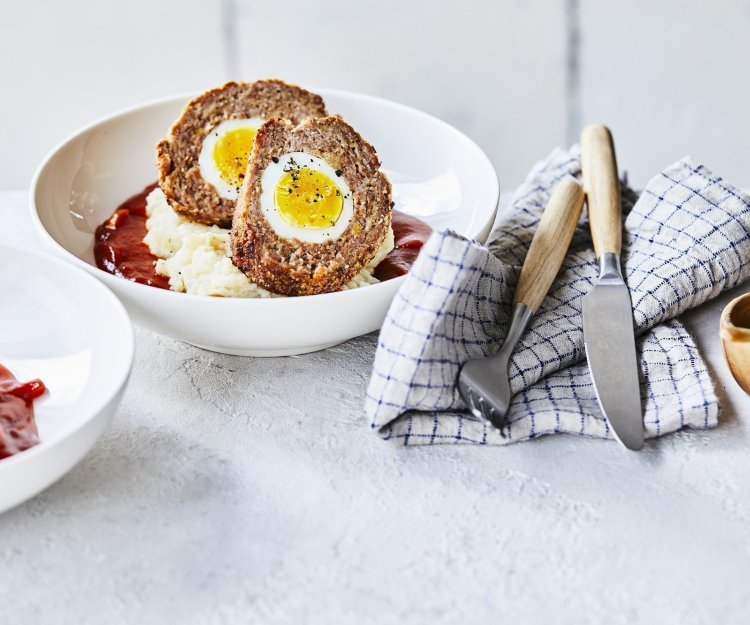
column 314, row 209
column 203, row 159
column 304, row 198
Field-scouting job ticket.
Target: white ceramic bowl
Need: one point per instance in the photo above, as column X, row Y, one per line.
column 59, row 324
column 436, row 171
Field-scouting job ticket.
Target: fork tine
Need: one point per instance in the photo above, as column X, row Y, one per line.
column 471, row 401
column 480, row 405
column 491, row 415
column 488, row 412
column 481, row 402
column 501, row 428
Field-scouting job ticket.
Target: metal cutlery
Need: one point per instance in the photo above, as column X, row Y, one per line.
column 607, row 309
column 483, row 382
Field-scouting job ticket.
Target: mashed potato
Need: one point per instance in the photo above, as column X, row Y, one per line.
column 197, row 258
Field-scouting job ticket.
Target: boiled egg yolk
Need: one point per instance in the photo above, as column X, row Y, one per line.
column 308, row 198
column 231, row 152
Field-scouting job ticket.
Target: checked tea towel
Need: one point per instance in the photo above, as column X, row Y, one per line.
column 685, row 239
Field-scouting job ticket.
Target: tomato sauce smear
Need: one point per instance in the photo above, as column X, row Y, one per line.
column 119, row 248
column 409, row 234
column 17, row 426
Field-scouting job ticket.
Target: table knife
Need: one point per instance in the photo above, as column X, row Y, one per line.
column 607, row 309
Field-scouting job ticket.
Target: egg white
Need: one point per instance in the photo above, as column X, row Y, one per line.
column 270, row 178
column 206, row 162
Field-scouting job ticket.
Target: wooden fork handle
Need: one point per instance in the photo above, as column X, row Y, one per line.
column 602, row 186
column 550, row 243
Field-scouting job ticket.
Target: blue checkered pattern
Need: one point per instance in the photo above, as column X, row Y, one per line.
column 684, row 241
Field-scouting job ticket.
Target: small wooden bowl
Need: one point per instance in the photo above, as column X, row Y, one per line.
column 734, row 329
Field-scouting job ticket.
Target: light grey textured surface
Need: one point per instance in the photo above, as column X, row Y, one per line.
column 231, row 490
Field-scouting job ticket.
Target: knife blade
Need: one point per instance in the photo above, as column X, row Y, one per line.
column 607, row 309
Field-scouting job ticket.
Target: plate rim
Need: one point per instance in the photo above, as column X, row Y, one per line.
column 127, row 337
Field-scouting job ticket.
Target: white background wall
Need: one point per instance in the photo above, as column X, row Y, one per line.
column 518, row 76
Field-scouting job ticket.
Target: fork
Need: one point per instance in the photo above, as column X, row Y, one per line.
column 483, row 383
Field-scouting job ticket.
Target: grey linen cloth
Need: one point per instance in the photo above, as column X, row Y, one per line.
column 685, row 239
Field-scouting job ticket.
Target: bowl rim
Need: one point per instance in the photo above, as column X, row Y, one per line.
column 728, row 330
column 225, row 302
column 121, row 373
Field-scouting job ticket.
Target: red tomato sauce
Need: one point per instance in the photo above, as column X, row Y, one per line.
column 119, row 248
column 409, row 235
column 17, row 426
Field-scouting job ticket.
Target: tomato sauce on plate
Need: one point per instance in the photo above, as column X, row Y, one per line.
column 409, row 234
column 17, row 426
column 119, row 248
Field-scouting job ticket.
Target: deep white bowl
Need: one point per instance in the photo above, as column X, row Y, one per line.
column 434, row 168
column 59, row 324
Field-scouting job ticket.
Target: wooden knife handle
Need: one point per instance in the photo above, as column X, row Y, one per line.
column 550, row 243
column 602, row 188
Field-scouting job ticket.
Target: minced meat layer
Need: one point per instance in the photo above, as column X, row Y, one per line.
column 177, row 155
column 292, row 267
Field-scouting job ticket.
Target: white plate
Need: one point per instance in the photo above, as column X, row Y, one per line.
column 60, row 325
column 436, row 171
